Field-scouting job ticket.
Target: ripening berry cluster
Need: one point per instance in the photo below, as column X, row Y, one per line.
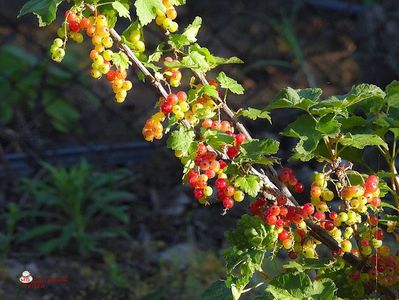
column 209, row 167
column 175, row 104
column 138, row 46
column 166, row 20
column 283, row 217
column 173, row 75
column 353, row 219
column 288, row 177
column 70, row 28
column 97, row 28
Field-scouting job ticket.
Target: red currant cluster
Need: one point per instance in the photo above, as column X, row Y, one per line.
column 173, row 75
column 175, row 104
column 283, row 216
column 384, row 268
column 208, row 167
column 288, row 177
column 70, row 28
column 97, row 28
column 165, row 20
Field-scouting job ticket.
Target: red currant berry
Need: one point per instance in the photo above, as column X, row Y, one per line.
column 271, row 219
column 172, row 98
column 228, row 202
column 292, row 255
column 329, row 225
column 166, row 107
column 308, row 209
column 182, row 96
column 240, row 138
column 74, row 26
column 333, row 215
column 379, row 234
column 220, row 183
column 198, row 193
column 222, row 164
column 283, row 235
column 320, row 215
column 281, row 199
column 299, row 188
column 232, row 152
column 285, row 174
column 373, row 220
column 283, row 211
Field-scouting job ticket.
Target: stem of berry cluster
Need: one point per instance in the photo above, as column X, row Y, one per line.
column 270, row 179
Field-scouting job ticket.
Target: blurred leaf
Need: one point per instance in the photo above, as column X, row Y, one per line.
column 217, row 291
column 45, row 10
column 37, row 231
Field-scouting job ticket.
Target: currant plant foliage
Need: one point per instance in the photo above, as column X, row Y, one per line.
column 342, row 243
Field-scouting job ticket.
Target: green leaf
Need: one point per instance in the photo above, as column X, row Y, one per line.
column 253, row 114
column 230, row 84
column 392, row 94
column 188, row 36
column 146, row 10
column 191, row 31
column 291, row 98
column 304, row 128
column 120, row 60
column 289, row 286
column 45, row 10
column 256, row 149
column 226, row 61
column 156, row 56
column 323, row 289
column 181, row 139
column 37, row 231
column 122, row 10
column 391, row 218
column 361, row 141
column 62, row 114
column 177, row 2
column 200, row 59
column 248, row 245
column 303, row 264
column 249, row 184
column 298, row 286
column 217, row 139
column 329, row 125
column 217, row 291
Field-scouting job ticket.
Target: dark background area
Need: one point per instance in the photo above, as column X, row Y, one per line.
column 171, row 247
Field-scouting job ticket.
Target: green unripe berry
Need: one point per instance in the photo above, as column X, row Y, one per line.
column 319, row 179
column 140, row 46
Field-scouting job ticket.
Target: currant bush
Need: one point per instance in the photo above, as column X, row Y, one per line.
column 353, row 214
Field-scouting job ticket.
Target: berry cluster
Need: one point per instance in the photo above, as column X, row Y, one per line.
column 97, row 28
column 165, row 20
column 175, row 104
column 208, row 167
column 173, row 75
column 56, row 50
column 288, row 177
column 283, row 217
column 137, row 44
